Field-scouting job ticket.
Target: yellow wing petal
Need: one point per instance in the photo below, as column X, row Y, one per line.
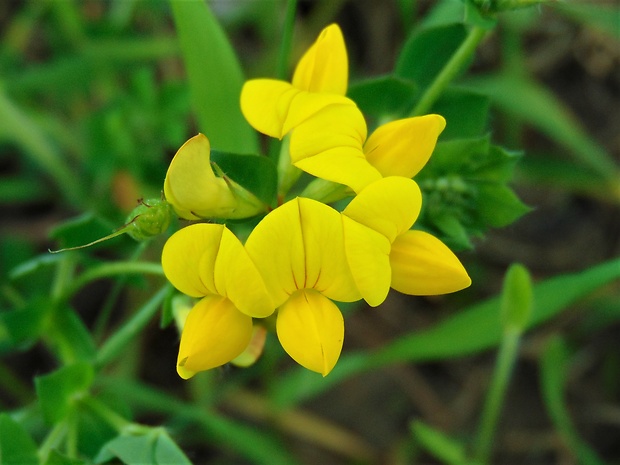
column 389, row 206
column 188, row 258
column 311, row 330
column 215, row 332
column 423, row 265
column 368, row 255
column 237, row 278
column 324, row 67
column 402, row 147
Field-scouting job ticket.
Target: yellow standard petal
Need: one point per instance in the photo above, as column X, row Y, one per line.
column 368, row 255
column 423, row 265
column 275, row 107
column 389, row 206
column 310, row 328
column 188, row 258
column 402, row 147
column 300, row 245
column 324, row 67
column 192, row 188
column 215, row 332
column 237, row 278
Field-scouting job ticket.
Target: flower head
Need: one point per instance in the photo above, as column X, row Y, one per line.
column 207, row 261
column 195, row 192
column 299, row 250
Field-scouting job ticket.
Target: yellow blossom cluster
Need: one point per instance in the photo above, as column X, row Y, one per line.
column 304, row 254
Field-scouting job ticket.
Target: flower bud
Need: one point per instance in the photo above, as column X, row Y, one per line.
column 195, row 192
column 151, row 218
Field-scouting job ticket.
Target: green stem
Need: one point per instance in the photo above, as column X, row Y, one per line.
column 130, row 329
column 105, row 413
column 112, row 269
column 506, row 358
column 106, row 310
column 449, row 71
column 52, row 440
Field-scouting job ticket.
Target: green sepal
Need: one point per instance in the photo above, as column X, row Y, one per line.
column 255, row 173
column 57, row 390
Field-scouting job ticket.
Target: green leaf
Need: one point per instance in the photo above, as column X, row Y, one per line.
column 553, row 366
column 70, row 336
column 532, row 103
column 516, row 299
column 601, row 17
column 21, row 328
column 56, row 458
column 57, row 390
column 417, row 64
column 215, row 77
column 438, row 444
column 383, row 96
column 498, row 206
column 472, row 330
column 16, row 445
column 142, row 445
column 466, row 113
column 255, row 173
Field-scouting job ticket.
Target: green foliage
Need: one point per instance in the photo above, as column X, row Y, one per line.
column 16, row 445
column 516, row 305
column 57, row 390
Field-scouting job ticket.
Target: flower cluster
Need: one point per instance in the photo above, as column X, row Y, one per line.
column 304, row 254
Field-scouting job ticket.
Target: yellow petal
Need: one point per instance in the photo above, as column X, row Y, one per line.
column 343, row 165
column 324, row 67
column 215, row 332
column 300, row 245
column 254, row 349
column 423, row 265
column 368, row 255
column 402, row 147
column 326, row 268
column 188, row 258
column 192, row 188
column 311, row 330
column 340, row 125
column 389, row 206
column 237, row 278
column 275, row 107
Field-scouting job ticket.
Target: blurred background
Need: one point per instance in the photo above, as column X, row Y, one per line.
column 94, row 103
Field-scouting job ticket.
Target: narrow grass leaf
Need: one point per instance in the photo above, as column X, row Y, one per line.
column 215, row 77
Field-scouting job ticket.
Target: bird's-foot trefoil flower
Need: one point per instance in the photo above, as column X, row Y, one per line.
column 207, row 261
column 419, row 263
column 299, row 250
column 274, row 107
column 195, row 192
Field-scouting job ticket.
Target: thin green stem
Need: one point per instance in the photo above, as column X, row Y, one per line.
column 52, row 440
column 63, row 276
column 449, row 71
column 506, row 358
column 106, row 310
column 105, row 413
column 129, row 330
column 112, row 269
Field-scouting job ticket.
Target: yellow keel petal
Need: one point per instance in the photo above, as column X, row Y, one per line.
column 215, row 332
column 311, row 330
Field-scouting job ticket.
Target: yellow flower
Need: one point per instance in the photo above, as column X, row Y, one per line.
column 274, row 107
column 420, row 263
column 299, row 250
column 195, row 192
column 207, row 261
column 332, row 145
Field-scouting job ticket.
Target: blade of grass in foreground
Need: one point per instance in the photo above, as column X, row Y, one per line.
column 215, row 78
column 472, row 330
